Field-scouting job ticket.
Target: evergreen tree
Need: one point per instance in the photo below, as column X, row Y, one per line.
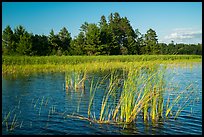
column 40, row 45
column 105, row 37
column 65, row 38
column 151, row 42
column 18, row 32
column 113, row 37
column 55, row 43
column 8, row 43
column 92, row 40
column 25, row 45
column 77, row 46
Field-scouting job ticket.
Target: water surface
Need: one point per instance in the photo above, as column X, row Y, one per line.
column 38, row 104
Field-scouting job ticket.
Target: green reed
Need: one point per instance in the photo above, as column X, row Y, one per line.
column 141, row 91
column 75, row 80
column 92, row 93
column 11, row 121
column 105, row 106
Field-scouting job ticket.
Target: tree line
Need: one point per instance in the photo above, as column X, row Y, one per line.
column 114, row 36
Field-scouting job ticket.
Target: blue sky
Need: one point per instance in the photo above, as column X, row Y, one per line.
column 178, row 21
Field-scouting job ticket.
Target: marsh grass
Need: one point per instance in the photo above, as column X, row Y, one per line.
column 92, row 93
column 141, row 92
column 25, row 65
column 187, row 99
column 58, row 60
column 11, row 121
column 75, row 80
column 111, row 89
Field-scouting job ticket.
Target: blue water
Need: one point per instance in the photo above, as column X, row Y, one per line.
column 38, row 104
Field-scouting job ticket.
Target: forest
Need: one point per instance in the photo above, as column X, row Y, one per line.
column 111, row 36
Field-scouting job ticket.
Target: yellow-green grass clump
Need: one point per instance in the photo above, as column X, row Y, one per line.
column 142, row 94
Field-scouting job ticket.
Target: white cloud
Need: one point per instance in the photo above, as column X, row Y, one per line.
column 187, row 35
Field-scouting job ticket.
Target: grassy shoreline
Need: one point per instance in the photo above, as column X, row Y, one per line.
column 27, row 65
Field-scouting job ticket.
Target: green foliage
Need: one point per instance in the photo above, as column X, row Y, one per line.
column 114, row 36
column 77, row 45
column 19, row 31
column 40, row 45
column 65, row 38
column 151, row 42
column 92, row 39
column 8, row 46
column 25, row 45
column 54, row 42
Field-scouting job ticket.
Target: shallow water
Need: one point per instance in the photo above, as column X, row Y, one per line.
column 38, row 104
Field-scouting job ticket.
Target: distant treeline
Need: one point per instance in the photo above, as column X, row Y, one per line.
column 113, row 37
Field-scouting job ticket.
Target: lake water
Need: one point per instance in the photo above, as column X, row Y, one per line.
column 38, row 104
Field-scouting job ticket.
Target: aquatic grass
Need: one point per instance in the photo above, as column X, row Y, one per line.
column 176, row 100
column 168, row 110
column 53, row 109
column 139, row 106
column 111, row 86
column 41, row 105
column 150, row 86
column 131, row 100
column 75, row 80
column 92, row 93
column 21, row 124
column 36, row 103
column 157, row 102
column 58, row 60
column 161, row 89
column 126, row 109
column 128, row 97
column 97, row 66
column 11, row 121
column 46, row 102
column 177, row 95
column 186, row 101
column 78, row 106
column 13, row 124
column 26, row 65
column 154, row 105
column 6, row 117
column 142, row 92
